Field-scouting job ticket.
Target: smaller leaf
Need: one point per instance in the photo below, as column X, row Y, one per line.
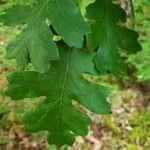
column 110, row 36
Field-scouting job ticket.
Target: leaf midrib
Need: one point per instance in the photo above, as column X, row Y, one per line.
column 60, row 100
column 62, row 93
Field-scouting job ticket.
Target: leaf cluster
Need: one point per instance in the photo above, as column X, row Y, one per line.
column 92, row 35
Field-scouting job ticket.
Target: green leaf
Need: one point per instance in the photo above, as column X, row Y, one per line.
column 61, row 84
column 110, row 36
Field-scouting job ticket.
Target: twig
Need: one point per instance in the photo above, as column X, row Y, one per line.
column 132, row 14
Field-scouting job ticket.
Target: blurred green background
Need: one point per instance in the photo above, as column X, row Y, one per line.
column 127, row 128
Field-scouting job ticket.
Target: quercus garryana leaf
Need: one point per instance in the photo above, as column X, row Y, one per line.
column 110, row 36
column 61, row 84
column 35, row 44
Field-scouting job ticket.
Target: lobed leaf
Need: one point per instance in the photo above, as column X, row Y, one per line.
column 110, row 36
column 61, row 84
